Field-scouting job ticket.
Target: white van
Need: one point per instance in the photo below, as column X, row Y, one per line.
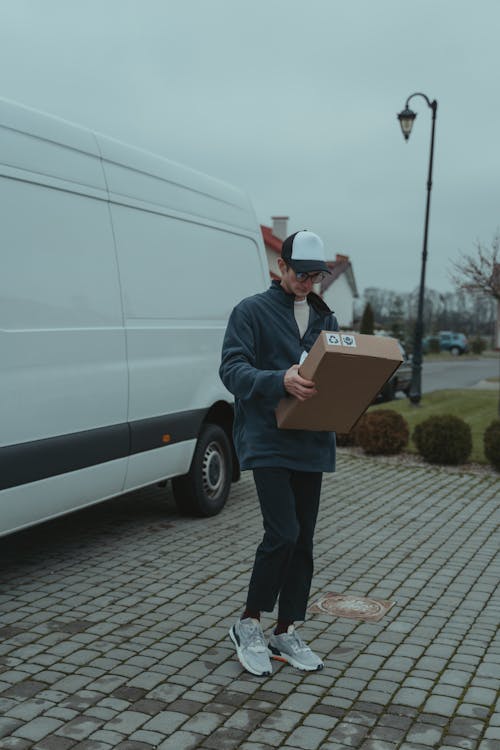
column 118, row 272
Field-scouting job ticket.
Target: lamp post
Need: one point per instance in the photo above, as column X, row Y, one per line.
column 406, row 119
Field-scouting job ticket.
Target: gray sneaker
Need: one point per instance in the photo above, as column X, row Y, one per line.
column 251, row 647
column 291, row 648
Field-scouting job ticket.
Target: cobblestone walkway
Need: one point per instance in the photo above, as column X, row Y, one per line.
column 113, row 623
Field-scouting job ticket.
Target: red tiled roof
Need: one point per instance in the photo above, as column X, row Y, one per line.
column 270, row 240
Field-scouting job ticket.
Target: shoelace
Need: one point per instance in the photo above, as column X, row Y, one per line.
column 297, row 643
column 255, row 638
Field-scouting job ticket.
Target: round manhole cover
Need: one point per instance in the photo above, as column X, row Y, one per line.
column 350, row 605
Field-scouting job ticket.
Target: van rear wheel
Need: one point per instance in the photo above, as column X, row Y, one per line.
column 203, row 491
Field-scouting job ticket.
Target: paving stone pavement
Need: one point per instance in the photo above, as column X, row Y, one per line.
column 114, row 620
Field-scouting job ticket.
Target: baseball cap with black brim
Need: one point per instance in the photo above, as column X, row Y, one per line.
column 304, row 252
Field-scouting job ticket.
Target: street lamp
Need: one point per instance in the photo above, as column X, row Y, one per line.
column 406, row 119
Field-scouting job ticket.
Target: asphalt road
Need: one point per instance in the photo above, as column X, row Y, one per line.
column 457, row 373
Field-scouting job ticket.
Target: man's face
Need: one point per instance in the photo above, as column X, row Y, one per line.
column 291, row 284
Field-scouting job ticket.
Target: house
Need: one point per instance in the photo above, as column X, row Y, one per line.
column 338, row 289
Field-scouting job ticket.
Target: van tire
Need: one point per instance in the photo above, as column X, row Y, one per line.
column 203, row 491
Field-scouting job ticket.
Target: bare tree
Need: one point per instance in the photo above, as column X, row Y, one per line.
column 473, row 313
column 397, row 317
column 480, row 272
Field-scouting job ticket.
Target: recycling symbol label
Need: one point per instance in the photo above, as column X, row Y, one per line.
column 333, row 339
column 340, row 339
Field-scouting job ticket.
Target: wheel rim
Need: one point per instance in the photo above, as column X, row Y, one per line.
column 213, row 470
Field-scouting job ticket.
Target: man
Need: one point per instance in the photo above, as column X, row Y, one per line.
column 266, row 336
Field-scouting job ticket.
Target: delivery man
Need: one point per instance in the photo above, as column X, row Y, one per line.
column 266, row 336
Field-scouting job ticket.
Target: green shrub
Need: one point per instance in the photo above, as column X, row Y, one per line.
column 382, row 432
column 477, row 345
column 443, row 439
column 491, row 442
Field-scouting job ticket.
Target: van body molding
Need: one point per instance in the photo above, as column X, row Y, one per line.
column 40, row 459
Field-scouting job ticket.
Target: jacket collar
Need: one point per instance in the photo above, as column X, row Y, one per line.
column 316, row 302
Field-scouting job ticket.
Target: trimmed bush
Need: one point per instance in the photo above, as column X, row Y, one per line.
column 491, row 442
column 444, row 439
column 382, row 432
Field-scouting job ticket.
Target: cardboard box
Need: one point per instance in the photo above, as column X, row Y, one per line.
column 349, row 370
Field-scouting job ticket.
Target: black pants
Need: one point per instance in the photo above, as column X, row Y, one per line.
column 283, row 566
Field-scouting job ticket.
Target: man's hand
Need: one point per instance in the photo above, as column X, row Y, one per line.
column 298, row 386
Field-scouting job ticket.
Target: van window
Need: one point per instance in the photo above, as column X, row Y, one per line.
column 172, row 268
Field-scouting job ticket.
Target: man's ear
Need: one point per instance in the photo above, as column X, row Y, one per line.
column 281, row 265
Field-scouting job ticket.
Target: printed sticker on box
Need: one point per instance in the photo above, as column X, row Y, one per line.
column 348, row 340
column 333, row 339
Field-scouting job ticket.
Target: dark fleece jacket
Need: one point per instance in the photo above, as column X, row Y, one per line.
column 262, row 341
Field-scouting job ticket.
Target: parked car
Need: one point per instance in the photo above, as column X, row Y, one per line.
column 447, row 341
column 399, row 381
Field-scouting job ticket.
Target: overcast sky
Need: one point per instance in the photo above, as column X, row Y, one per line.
column 295, row 101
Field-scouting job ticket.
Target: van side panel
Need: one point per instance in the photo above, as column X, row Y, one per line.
column 63, row 376
column 182, row 270
column 28, row 504
column 49, row 147
column 136, row 177
column 60, row 314
column 180, row 281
